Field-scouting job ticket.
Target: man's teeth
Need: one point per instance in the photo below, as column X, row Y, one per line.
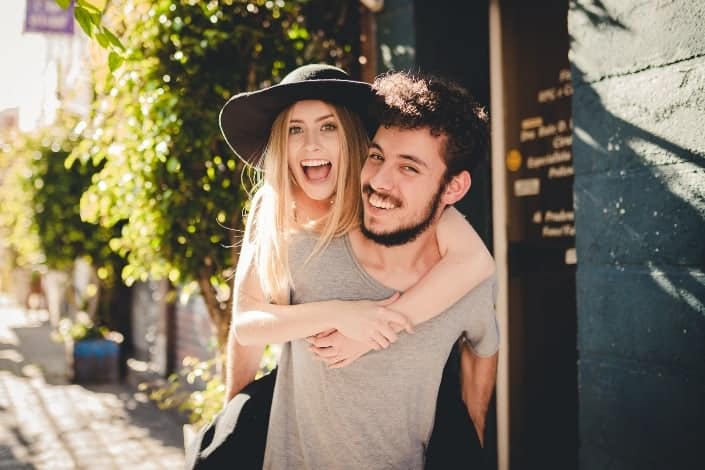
column 380, row 203
column 307, row 163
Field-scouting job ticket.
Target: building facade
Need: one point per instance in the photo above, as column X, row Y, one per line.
column 594, row 205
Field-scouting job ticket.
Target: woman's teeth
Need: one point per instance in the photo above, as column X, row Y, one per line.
column 309, row 163
column 316, row 170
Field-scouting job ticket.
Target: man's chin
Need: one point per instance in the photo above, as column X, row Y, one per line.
column 390, row 239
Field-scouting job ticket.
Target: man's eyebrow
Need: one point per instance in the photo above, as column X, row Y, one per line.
column 318, row 119
column 417, row 160
column 414, row 159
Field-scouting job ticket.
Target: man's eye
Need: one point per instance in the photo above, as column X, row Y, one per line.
column 295, row 130
column 375, row 156
column 410, row 169
column 329, row 127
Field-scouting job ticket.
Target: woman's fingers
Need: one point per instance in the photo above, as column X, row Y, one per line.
column 325, row 333
column 379, row 338
column 324, row 342
column 388, row 332
column 395, row 317
column 323, row 352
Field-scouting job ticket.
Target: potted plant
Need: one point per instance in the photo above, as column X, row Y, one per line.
column 92, row 352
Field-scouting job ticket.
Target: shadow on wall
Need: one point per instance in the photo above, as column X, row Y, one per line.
column 598, row 14
column 640, row 219
column 643, row 195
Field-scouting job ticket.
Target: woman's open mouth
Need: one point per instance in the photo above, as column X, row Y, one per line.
column 316, row 170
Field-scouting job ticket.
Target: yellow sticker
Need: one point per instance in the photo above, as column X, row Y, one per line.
column 513, row 160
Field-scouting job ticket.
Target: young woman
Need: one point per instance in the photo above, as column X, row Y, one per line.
column 309, row 135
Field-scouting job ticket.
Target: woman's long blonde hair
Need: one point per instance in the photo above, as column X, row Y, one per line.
column 270, row 221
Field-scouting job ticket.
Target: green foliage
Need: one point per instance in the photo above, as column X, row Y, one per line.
column 83, row 328
column 41, row 196
column 17, row 227
column 167, row 173
column 198, row 389
column 90, row 18
column 57, row 188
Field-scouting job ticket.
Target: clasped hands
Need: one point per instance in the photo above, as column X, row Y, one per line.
column 362, row 326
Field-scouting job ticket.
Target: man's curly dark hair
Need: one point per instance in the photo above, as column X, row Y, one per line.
column 415, row 101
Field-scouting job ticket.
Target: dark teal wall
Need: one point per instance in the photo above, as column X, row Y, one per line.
column 639, row 149
column 396, row 39
column 449, row 38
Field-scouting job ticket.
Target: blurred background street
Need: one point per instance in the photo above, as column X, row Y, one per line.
column 48, row 423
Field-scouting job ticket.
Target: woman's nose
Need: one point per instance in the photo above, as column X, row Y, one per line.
column 311, row 140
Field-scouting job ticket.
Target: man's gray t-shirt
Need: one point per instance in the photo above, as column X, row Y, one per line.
column 378, row 412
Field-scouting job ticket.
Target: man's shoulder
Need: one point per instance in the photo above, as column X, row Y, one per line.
column 484, row 294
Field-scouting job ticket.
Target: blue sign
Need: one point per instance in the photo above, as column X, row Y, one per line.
column 45, row 16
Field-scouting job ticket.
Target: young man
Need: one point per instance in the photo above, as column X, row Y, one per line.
column 379, row 411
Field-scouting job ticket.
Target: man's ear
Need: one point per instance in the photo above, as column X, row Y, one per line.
column 457, row 187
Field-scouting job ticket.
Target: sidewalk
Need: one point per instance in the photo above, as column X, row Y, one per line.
column 47, row 423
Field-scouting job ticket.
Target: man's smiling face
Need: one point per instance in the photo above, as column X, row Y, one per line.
column 402, row 184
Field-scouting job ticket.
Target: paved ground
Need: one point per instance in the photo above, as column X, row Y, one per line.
column 47, row 423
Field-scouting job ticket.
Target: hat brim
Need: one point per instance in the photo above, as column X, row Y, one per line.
column 246, row 119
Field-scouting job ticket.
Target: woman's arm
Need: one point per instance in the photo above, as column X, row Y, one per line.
column 465, row 263
column 242, row 364
column 465, row 260
column 257, row 322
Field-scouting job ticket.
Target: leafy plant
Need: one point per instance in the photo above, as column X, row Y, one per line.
column 90, row 18
column 166, row 173
column 198, row 389
column 17, row 227
column 83, row 328
column 41, row 195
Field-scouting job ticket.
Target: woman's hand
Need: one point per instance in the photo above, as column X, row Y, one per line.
column 335, row 349
column 371, row 323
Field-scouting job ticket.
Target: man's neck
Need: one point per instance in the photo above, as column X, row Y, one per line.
column 398, row 267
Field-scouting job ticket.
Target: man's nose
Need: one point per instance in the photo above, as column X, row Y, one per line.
column 383, row 178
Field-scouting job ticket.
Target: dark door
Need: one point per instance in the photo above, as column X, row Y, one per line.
column 452, row 40
column 541, row 235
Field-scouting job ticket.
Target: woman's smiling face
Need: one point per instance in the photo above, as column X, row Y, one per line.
column 313, row 148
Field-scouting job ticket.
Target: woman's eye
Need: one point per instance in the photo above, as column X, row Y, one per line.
column 295, row 130
column 375, row 156
column 329, row 127
column 410, row 169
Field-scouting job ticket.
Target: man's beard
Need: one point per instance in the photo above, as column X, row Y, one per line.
column 403, row 235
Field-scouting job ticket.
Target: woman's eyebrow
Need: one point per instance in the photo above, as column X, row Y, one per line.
column 318, row 119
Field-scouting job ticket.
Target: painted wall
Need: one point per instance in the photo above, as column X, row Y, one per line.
column 396, row 39
column 638, row 70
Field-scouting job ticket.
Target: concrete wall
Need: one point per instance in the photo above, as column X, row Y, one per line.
column 148, row 331
column 639, row 148
column 195, row 334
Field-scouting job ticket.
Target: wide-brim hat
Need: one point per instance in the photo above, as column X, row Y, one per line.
column 246, row 119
